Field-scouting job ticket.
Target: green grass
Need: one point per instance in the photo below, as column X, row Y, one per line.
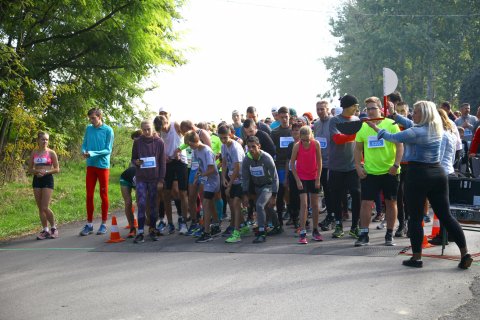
column 19, row 213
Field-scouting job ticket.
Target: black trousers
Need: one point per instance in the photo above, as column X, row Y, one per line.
column 339, row 183
column 429, row 181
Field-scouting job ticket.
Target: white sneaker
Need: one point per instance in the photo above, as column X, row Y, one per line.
column 183, row 229
column 382, row 224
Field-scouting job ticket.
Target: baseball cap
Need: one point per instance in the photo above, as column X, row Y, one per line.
column 274, row 109
column 163, row 109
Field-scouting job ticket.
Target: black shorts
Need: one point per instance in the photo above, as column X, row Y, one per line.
column 309, row 187
column 176, row 170
column 373, row 184
column 208, row 195
column 236, row 191
column 43, row 182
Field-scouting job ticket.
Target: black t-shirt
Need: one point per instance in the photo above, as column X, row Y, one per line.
column 266, row 143
column 128, row 175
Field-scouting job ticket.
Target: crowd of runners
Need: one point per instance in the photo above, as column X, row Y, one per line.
column 271, row 173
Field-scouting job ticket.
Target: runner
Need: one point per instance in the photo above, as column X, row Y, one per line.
column 259, row 168
column 96, row 149
column 378, row 172
column 43, row 164
column 306, row 164
column 208, row 175
column 148, row 156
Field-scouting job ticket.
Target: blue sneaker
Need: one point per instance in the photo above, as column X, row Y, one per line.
column 198, row 233
column 102, row 229
column 161, row 227
column 194, row 227
column 171, row 228
column 86, row 230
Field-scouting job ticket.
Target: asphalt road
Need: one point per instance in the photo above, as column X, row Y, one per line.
column 82, row 277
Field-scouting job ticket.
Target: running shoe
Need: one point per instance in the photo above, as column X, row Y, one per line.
column 245, row 230
column 152, row 234
column 139, row 238
column 86, row 230
column 171, row 228
column 228, row 232
column 193, row 228
column 206, row 237
column 303, row 239
column 338, row 233
column 286, row 215
column 215, row 231
column 379, row 217
column 183, row 229
column 199, row 232
column 234, row 238
column 316, row 236
column 161, row 227
column 275, row 231
column 354, row 232
column 327, row 224
column 363, row 240
column 53, row 233
column 382, row 224
column 43, row 235
column 132, row 233
column 401, row 231
column 389, row 239
column 260, row 238
column 102, row 229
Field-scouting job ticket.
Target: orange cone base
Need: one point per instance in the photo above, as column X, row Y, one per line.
column 425, row 243
column 115, row 241
column 114, row 234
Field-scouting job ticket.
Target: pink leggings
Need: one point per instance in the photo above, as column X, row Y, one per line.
column 102, row 175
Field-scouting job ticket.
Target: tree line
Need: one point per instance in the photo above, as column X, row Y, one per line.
column 433, row 46
column 60, row 58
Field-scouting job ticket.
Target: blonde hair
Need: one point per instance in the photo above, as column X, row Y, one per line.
column 146, row 121
column 306, row 131
column 429, row 117
column 374, row 100
column 447, row 125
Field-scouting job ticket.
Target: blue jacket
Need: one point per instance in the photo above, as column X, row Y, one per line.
column 98, row 142
column 419, row 144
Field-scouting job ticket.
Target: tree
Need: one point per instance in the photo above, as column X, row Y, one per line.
column 60, row 58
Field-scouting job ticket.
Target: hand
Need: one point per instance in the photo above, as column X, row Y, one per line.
column 138, row 162
column 393, row 171
column 245, row 201
column 86, row 155
column 299, row 185
column 362, row 174
column 472, row 155
column 466, row 124
column 160, row 186
column 317, row 183
column 225, row 183
column 272, row 202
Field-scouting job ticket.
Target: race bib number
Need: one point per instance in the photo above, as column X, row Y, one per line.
column 203, row 179
column 322, row 141
column 374, row 142
column 194, row 165
column 257, row 171
column 40, row 160
column 285, row 141
column 468, row 133
column 148, row 162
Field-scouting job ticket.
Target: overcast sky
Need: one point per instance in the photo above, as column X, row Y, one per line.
column 260, row 53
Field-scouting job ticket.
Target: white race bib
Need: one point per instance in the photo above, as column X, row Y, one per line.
column 40, row 160
column 468, row 133
column 285, row 141
column 148, row 162
column 257, row 171
column 322, row 141
column 373, row 142
column 194, row 165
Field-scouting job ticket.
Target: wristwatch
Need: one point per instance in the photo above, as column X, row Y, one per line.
column 396, row 165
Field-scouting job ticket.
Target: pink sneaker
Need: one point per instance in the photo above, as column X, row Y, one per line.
column 316, row 236
column 43, row 235
column 54, row 233
column 303, row 240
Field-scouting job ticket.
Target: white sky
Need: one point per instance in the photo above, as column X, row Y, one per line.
column 260, row 53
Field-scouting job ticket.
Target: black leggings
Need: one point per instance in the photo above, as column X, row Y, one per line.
column 326, row 191
column 294, row 197
column 339, row 183
column 429, row 181
column 401, row 204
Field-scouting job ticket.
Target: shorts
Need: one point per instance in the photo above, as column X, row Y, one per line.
column 309, row 187
column 236, row 191
column 43, row 182
column 373, row 184
column 208, row 195
column 176, row 169
column 125, row 183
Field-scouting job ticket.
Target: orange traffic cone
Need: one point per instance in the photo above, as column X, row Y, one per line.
column 425, row 243
column 435, row 227
column 114, row 234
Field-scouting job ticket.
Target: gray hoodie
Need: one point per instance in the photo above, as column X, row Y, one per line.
column 261, row 172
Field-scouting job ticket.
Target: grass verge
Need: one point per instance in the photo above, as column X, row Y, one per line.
column 19, row 213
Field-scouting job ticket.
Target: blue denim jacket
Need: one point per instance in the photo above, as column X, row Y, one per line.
column 419, row 146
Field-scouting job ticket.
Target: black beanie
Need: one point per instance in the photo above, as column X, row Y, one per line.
column 348, row 101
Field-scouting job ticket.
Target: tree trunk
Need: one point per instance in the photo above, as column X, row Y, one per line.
column 3, row 134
